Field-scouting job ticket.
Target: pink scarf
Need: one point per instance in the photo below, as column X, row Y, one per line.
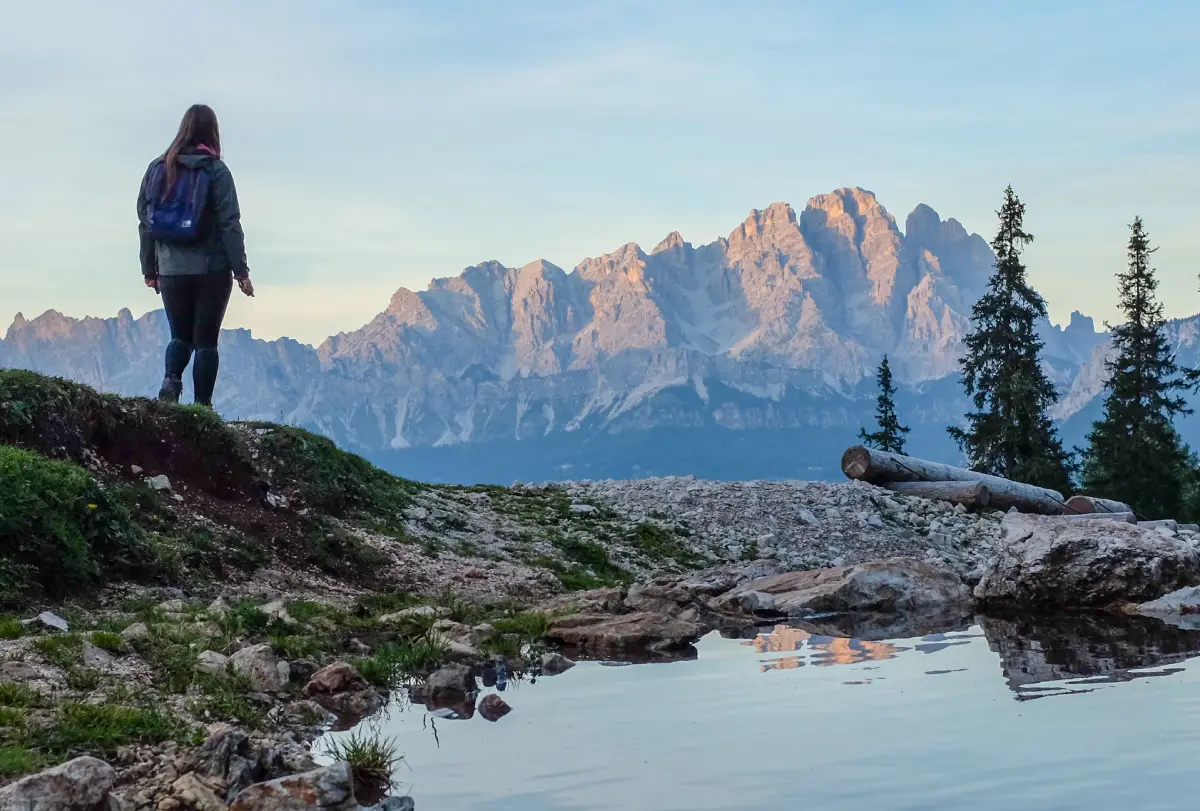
column 208, row 149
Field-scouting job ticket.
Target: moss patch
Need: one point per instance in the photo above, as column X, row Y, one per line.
column 336, row 482
column 60, row 531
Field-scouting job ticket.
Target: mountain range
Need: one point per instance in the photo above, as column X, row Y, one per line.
column 750, row 357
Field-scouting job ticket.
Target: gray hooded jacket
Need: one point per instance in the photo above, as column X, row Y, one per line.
column 221, row 247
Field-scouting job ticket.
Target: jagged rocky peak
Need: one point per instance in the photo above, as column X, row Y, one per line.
column 1081, row 323
column 672, row 242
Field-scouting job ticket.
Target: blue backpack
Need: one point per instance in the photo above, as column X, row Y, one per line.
column 176, row 216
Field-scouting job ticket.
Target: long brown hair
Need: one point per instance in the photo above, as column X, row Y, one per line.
column 198, row 127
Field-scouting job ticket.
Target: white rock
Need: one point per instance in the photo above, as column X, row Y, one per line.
column 582, row 509
column 159, row 482
column 50, row 620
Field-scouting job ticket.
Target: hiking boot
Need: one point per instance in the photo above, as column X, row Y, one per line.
column 172, row 389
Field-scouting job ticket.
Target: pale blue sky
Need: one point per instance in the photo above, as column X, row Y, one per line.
column 379, row 144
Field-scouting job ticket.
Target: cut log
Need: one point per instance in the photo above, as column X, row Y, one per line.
column 879, row 467
column 968, row 494
column 1128, row 518
column 1079, row 505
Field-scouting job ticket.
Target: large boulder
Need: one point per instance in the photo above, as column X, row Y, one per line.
column 1052, row 561
column 330, row 788
column 895, row 584
column 81, row 784
column 639, row 632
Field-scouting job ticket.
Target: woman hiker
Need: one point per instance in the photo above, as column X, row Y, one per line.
column 192, row 248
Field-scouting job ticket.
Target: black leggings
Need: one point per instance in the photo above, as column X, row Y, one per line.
column 195, row 309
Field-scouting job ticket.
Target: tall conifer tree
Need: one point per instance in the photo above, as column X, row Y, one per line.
column 890, row 436
column 1134, row 453
column 1009, row 433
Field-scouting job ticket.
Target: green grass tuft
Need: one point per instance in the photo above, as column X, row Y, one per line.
column 16, row 761
column 394, row 662
column 109, row 640
column 64, row 650
column 83, row 678
column 11, row 628
column 101, row 728
column 372, row 759
column 530, row 625
column 17, row 695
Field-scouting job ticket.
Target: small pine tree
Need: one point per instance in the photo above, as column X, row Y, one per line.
column 1009, row 433
column 890, row 436
column 1134, row 453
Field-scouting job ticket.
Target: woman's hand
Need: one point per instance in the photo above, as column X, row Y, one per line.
column 151, row 282
column 246, row 286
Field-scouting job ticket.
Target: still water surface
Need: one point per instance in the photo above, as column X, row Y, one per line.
column 793, row 718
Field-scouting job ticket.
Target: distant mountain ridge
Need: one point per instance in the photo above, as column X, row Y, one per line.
column 768, row 336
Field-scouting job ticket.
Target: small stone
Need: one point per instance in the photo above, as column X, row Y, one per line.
column 582, row 509
column 276, row 611
column 405, row 803
column 874, row 520
column 18, row 671
column 437, row 612
column 136, row 470
column 94, row 656
column 554, row 664
column 177, row 497
column 493, row 708
column 218, row 608
column 138, row 632
column 258, row 663
column 171, row 606
column 212, row 663
column 159, row 482
column 195, row 794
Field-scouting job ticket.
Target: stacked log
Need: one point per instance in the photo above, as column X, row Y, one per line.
column 883, row 468
column 968, row 494
column 1084, row 505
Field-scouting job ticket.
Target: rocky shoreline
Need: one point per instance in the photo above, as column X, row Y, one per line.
column 272, row 709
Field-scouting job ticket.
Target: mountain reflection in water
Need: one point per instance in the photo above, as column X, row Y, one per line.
column 1077, row 650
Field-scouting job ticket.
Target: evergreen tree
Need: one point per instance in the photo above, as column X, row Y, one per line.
column 890, row 436
column 1134, row 453
column 1009, row 433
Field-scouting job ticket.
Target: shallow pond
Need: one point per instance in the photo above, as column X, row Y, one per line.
column 821, row 716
